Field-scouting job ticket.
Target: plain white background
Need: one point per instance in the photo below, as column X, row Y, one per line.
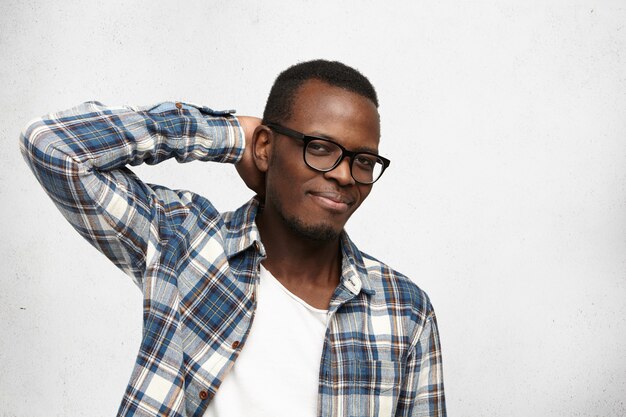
column 505, row 201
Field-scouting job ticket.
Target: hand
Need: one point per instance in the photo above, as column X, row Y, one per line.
column 247, row 169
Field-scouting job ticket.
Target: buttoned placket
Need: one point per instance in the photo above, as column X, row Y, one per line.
column 239, row 344
column 349, row 289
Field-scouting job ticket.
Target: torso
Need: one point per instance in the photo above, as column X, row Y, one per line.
column 277, row 371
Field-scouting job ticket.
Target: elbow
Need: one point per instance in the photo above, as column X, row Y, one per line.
column 32, row 137
column 38, row 145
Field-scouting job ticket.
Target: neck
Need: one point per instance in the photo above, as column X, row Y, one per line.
column 296, row 259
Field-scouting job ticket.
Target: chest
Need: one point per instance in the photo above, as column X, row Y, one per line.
column 212, row 311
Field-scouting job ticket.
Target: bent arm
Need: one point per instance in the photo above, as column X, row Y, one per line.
column 79, row 156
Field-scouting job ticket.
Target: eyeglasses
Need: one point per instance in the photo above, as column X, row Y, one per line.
column 324, row 155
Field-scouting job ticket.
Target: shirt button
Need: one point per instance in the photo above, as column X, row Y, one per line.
column 235, row 344
column 204, row 394
column 178, row 105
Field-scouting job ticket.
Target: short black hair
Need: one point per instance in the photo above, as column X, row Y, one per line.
column 280, row 100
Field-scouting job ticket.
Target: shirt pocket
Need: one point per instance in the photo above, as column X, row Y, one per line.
column 374, row 377
column 365, row 388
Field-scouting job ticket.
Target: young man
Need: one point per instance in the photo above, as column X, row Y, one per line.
column 270, row 310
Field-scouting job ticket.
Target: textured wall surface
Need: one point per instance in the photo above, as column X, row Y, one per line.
column 506, row 199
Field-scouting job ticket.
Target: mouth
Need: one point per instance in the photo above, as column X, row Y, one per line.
column 332, row 201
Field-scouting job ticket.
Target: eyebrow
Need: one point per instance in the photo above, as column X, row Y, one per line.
column 317, row 134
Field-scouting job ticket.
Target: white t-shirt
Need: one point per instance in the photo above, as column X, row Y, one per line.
column 277, row 372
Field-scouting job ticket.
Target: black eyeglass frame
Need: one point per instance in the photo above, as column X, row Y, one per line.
column 294, row 134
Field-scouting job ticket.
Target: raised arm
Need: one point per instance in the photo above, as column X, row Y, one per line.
column 80, row 156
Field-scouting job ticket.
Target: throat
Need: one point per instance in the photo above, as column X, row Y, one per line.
column 308, row 268
column 315, row 294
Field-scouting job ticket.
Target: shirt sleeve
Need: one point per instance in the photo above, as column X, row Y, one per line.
column 80, row 157
column 422, row 392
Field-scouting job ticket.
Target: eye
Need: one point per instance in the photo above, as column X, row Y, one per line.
column 319, row 148
column 365, row 162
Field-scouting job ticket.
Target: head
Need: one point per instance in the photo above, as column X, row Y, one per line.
column 280, row 101
column 329, row 100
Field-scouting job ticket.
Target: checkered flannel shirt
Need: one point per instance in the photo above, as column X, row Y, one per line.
column 198, row 268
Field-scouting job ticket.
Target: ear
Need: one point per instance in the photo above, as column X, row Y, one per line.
column 262, row 142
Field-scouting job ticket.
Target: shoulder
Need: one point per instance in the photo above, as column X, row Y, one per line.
column 181, row 210
column 399, row 294
column 388, row 286
column 395, row 286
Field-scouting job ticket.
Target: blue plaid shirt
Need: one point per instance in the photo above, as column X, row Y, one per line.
column 199, row 268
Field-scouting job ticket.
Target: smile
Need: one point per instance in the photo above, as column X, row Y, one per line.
column 332, row 201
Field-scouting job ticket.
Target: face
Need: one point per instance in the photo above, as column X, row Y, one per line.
column 317, row 205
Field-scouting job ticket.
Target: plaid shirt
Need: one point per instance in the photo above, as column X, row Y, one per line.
column 199, row 268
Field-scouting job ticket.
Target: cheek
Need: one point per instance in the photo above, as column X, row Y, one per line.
column 282, row 178
column 364, row 191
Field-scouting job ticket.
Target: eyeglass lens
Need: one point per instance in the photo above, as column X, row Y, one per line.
column 324, row 156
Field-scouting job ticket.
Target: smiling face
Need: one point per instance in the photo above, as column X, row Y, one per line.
column 313, row 204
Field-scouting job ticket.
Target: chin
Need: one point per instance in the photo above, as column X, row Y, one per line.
column 315, row 232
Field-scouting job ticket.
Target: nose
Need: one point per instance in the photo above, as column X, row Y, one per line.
column 341, row 173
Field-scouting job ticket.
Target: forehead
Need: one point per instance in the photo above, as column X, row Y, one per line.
column 333, row 112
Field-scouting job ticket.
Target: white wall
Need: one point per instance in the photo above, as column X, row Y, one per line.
column 506, row 199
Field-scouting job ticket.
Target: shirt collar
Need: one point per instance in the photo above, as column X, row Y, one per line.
column 242, row 233
column 241, row 230
column 354, row 274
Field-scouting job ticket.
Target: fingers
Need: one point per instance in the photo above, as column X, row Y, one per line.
column 247, row 169
column 248, row 123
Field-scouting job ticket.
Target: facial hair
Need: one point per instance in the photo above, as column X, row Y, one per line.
column 314, row 232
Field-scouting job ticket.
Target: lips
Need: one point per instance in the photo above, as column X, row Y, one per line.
column 332, row 200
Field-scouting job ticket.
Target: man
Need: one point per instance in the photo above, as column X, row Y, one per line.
column 270, row 310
